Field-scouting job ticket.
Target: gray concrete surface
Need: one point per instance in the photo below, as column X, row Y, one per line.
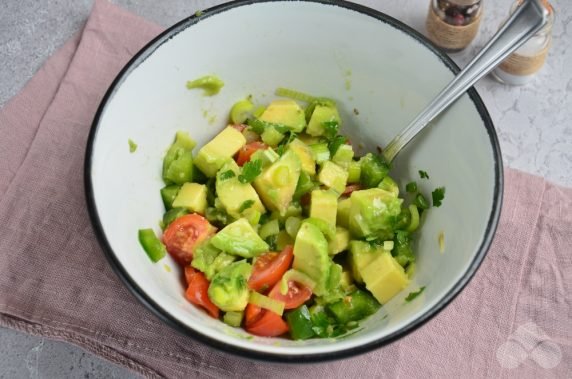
column 532, row 122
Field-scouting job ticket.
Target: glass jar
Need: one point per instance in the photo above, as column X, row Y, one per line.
column 453, row 24
column 522, row 65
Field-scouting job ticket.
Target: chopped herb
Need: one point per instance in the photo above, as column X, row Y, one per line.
column 421, row 201
column 245, row 205
column 414, row 294
column 198, row 13
column 423, row 174
column 335, row 144
column 330, row 128
column 271, row 241
column 356, row 112
column 132, row 146
column 263, row 219
column 379, row 149
column 259, row 126
column 438, row 195
column 411, row 187
column 227, row 175
column 280, row 149
column 250, row 171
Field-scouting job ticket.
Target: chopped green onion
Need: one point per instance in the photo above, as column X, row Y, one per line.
column 411, row 187
column 388, row 245
column 438, row 195
column 293, row 94
column 414, row 224
column 298, row 277
column 271, row 228
column 292, row 225
column 266, row 302
column 240, row 111
column 233, row 318
column 320, row 152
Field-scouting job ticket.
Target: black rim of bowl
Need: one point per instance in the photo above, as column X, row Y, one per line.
column 179, row 326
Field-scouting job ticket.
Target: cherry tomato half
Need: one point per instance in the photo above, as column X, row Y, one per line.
column 269, row 268
column 247, row 150
column 197, row 291
column 297, row 294
column 184, row 234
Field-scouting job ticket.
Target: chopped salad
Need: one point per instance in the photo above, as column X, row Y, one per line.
column 280, row 228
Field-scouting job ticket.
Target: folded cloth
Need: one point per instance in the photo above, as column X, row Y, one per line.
column 513, row 319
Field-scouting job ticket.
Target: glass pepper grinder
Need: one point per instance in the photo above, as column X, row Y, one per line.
column 453, row 24
column 522, row 65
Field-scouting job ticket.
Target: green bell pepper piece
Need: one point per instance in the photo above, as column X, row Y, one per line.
column 152, row 245
column 300, row 323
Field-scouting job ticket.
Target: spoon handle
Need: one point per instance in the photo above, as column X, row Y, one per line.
column 528, row 19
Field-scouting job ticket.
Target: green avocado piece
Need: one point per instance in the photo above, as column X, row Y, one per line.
column 333, row 176
column 340, row 242
column 343, row 216
column 219, row 150
column 321, row 114
column 240, row 238
column 304, row 153
column 311, row 256
column 324, row 205
column 178, row 162
column 389, row 185
column 285, row 112
column 277, row 183
column 373, row 210
column 193, row 197
column 228, row 289
column 233, row 194
column 333, row 291
column 361, row 254
column 210, row 260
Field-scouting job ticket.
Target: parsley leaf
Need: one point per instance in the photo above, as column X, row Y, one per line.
column 250, row 171
column 411, row 187
column 245, row 205
column 438, row 195
column 423, row 174
column 226, row 175
column 414, row 294
column 330, row 128
column 335, row 144
column 132, row 146
column 421, row 202
column 256, row 125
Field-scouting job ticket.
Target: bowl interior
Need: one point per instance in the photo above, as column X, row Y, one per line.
column 380, row 75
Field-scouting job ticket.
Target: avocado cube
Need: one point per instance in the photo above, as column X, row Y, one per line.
column 389, row 185
column 343, row 156
column 277, row 183
column 324, row 206
column 192, row 196
column 361, row 254
column 285, row 112
column 210, row 260
column 228, row 289
column 271, row 136
column 321, row 114
column 240, row 238
column 343, row 213
column 373, row 210
column 304, row 153
column 311, row 256
column 333, row 176
column 354, row 172
column 384, row 277
column 219, row 150
column 232, row 193
column 340, row 242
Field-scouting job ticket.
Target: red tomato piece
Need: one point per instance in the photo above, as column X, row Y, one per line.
column 197, row 291
column 297, row 294
column 247, row 150
column 351, row 188
column 252, row 314
column 184, row 234
column 269, row 268
column 269, row 324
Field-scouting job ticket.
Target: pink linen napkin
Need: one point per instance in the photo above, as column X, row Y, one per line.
column 513, row 319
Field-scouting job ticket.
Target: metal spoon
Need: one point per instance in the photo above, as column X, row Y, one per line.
column 528, row 19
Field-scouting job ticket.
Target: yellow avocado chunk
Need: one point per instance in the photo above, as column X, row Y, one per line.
column 384, row 277
column 219, row 150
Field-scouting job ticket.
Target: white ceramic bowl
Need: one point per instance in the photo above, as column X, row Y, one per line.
column 365, row 60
